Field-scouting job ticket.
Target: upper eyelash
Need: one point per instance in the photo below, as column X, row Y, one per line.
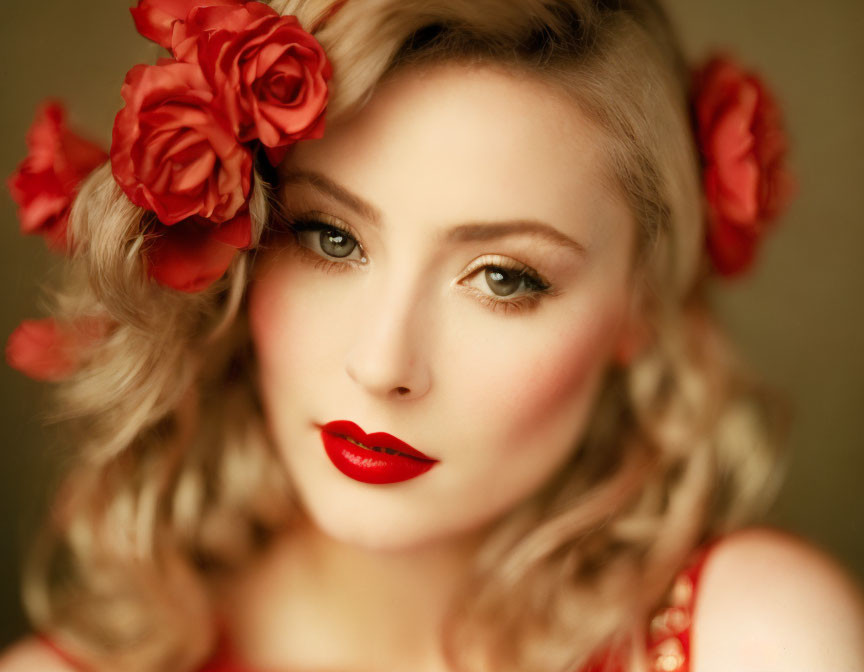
column 539, row 287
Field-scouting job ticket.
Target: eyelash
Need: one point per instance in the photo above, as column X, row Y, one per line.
column 526, row 302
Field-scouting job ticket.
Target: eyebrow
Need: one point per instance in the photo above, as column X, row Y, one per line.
column 469, row 231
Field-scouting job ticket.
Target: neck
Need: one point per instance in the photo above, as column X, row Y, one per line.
column 315, row 603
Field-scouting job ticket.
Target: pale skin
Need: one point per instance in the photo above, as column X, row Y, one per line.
column 404, row 343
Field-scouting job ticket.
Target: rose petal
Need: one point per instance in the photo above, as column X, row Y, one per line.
column 41, row 350
column 732, row 248
column 275, row 155
column 155, row 19
column 46, row 181
column 743, row 146
column 196, row 172
column 187, row 257
column 165, row 139
column 270, row 76
column 236, row 232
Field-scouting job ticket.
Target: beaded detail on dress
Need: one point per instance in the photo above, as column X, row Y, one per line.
column 669, row 629
column 668, row 638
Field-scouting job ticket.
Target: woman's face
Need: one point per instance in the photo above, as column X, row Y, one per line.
column 409, row 325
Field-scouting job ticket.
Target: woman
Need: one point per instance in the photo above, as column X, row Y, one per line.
column 435, row 388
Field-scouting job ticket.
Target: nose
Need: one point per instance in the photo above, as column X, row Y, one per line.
column 386, row 356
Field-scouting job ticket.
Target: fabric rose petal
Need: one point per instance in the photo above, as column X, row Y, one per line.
column 39, row 349
column 45, row 350
column 46, row 181
column 242, row 78
column 193, row 254
column 270, row 75
column 172, row 150
column 743, row 146
column 154, row 19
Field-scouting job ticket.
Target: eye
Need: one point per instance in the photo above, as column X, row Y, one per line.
column 505, row 278
column 327, row 240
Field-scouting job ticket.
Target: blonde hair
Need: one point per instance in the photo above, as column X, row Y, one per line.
column 175, row 480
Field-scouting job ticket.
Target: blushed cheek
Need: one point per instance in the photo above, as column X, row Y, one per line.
column 274, row 337
column 264, row 315
column 293, row 337
column 545, row 393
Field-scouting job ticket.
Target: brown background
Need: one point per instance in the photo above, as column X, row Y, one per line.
column 798, row 317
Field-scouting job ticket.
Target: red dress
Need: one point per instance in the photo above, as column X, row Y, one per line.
column 668, row 636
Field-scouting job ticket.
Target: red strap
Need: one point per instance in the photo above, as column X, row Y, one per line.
column 669, row 632
column 215, row 664
column 223, row 658
column 61, row 653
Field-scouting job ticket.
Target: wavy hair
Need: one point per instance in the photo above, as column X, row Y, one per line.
column 175, row 482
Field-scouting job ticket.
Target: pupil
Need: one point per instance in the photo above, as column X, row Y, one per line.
column 502, row 282
column 336, row 244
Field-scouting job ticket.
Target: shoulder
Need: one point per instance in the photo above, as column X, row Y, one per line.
column 32, row 655
column 769, row 600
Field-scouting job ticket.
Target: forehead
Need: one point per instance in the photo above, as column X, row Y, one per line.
column 467, row 142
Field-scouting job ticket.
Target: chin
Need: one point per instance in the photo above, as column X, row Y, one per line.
column 358, row 528
column 356, row 525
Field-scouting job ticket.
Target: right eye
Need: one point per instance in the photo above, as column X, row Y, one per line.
column 325, row 239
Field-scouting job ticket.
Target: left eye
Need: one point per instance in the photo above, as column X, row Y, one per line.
column 505, row 280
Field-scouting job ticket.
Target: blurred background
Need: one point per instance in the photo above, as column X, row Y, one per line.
column 795, row 316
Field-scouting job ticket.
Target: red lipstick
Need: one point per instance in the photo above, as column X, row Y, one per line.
column 372, row 458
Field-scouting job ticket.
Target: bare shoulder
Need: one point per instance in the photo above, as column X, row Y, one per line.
column 31, row 655
column 770, row 601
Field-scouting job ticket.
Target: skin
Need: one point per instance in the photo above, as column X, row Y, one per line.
column 403, row 343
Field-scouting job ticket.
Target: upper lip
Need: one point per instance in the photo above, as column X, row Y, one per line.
column 377, row 439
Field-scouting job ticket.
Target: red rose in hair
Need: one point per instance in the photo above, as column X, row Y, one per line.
column 45, row 183
column 270, row 75
column 743, row 147
column 172, row 150
column 44, row 350
column 193, row 254
column 154, row 19
column 182, row 147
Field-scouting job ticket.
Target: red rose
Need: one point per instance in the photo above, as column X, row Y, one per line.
column 182, row 147
column 172, row 150
column 45, row 183
column 193, row 254
column 270, row 75
column 154, row 19
column 743, row 147
column 44, row 350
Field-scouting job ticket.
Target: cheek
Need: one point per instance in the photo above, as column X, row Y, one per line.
column 267, row 319
column 541, row 393
column 282, row 342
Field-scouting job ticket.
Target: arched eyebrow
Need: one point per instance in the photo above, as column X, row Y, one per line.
column 469, row 231
column 324, row 184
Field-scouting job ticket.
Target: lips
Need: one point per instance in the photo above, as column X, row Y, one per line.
column 382, row 440
column 372, row 458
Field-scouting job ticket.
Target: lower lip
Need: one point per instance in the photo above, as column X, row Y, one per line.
column 369, row 466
